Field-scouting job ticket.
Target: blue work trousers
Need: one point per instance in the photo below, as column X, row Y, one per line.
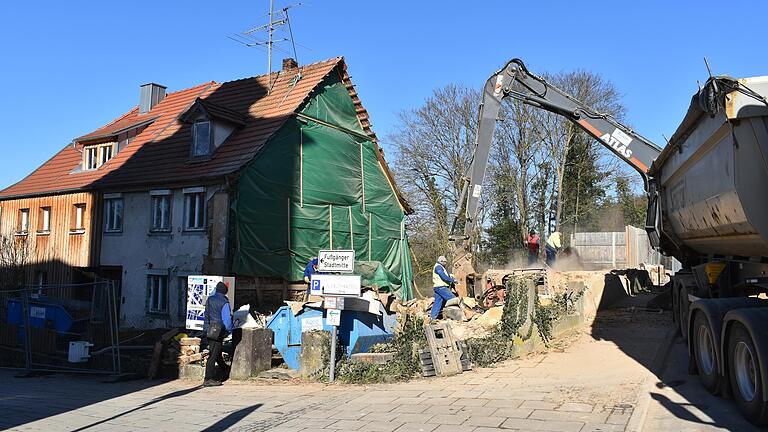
column 442, row 295
column 551, row 255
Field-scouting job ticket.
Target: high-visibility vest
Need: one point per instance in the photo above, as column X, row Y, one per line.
column 437, row 281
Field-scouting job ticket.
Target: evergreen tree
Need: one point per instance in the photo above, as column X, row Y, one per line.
column 632, row 206
column 583, row 186
column 504, row 233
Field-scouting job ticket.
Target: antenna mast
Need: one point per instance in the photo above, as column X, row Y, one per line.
column 270, row 29
column 277, row 19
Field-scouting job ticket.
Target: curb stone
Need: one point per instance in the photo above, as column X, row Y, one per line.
column 637, row 419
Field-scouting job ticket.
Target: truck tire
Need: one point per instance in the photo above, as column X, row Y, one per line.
column 746, row 378
column 704, row 344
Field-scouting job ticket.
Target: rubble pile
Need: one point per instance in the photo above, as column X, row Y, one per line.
column 552, row 286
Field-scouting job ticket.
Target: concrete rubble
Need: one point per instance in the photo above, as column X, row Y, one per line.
column 467, row 318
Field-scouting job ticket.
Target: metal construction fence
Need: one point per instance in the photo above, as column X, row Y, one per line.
column 618, row 250
column 61, row 328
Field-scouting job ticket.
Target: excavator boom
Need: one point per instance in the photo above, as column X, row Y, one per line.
column 515, row 81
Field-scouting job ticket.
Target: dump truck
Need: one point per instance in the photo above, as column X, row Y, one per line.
column 706, row 208
column 711, row 214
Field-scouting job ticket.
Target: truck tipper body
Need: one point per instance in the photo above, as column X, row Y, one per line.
column 713, row 176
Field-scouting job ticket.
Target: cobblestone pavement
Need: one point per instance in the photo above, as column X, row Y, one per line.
column 588, row 383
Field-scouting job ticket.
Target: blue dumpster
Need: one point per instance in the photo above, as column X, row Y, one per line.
column 357, row 332
column 43, row 313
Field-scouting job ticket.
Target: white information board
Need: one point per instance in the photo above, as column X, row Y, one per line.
column 312, row 323
column 336, row 261
column 198, row 290
column 336, row 285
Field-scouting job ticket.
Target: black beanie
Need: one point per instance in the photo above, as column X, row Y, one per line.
column 221, row 287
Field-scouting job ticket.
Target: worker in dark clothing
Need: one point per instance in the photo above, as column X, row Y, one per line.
column 217, row 325
column 309, row 270
column 533, row 244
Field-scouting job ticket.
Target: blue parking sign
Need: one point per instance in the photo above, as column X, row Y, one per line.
column 315, row 287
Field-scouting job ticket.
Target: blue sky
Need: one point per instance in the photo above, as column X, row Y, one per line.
column 70, row 67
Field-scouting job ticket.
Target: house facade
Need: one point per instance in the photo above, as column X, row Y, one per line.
column 248, row 178
column 56, row 234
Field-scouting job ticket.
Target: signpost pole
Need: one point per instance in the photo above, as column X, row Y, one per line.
column 330, row 285
column 332, row 374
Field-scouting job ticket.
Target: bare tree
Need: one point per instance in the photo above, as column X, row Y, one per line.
column 434, row 144
column 513, row 160
column 559, row 133
column 15, row 258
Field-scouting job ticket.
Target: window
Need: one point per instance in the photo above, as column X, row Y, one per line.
column 194, row 206
column 97, row 155
column 201, row 137
column 161, row 210
column 106, row 155
column 91, row 158
column 77, row 223
column 45, row 221
column 158, row 293
column 23, row 222
column 113, row 213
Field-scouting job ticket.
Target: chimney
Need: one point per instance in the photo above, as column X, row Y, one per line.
column 151, row 94
column 289, row 64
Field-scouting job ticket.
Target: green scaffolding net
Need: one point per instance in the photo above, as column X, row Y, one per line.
column 318, row 184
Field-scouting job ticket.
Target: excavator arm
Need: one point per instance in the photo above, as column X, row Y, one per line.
column 515, row 81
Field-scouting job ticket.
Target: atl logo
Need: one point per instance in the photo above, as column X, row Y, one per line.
column 619, row 141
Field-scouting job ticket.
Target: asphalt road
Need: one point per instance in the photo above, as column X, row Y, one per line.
column 679, row 402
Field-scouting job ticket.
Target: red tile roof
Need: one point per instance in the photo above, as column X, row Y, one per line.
column 129, row 120
column 160, row 153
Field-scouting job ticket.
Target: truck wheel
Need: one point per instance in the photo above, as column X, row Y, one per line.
column 746, row 378
column 682, row 307
column 704, row 352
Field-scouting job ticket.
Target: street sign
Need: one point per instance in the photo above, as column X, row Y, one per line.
column 314, row 287
column 336, row 261
column 334, row 317
column 337, row 285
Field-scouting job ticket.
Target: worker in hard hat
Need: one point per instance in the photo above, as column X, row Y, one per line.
column 441, row 282
column 552, row 247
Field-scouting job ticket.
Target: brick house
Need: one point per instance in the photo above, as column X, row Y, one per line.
column 246, row 178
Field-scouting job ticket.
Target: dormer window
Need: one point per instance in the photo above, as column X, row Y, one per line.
column 201, row 135
column 211, row 126
column 95, row 156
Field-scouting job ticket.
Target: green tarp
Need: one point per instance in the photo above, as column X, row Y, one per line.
column 374, row 275
column 319, row 185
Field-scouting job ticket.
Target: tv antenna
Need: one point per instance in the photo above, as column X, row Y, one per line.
column 277, row 19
